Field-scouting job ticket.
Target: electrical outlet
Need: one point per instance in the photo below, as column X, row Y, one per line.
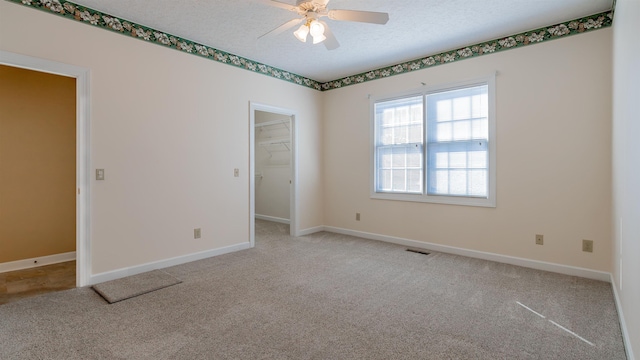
column 587, row 246
column 99, row 174
column 197, row 233
column 357, row 216
column 236, row 172
column 539, row 239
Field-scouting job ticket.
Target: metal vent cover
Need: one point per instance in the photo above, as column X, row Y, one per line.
column 418, row 251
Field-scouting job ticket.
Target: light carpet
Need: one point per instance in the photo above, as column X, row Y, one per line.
column 326, row 296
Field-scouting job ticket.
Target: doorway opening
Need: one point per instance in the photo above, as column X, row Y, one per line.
column 81, row 133
column 272, row 164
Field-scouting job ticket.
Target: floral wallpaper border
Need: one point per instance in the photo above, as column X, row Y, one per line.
column 553, row 32
column 89, row 16
column 92, row 17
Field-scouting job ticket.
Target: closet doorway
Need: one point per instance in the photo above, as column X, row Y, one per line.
column 81, row 134
column 273, row 166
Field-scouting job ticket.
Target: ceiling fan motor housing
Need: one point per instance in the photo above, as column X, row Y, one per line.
column 312, row 5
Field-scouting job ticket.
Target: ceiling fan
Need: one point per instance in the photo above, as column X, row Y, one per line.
column 311, row 11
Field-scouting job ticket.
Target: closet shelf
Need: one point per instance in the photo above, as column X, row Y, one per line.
column 272, row 146
column 285, row 143
column 275, row 123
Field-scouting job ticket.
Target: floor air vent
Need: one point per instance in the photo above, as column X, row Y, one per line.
column 418, row 251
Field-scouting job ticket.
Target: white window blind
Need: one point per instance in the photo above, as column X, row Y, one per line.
column 399, row 149
column 457, row 142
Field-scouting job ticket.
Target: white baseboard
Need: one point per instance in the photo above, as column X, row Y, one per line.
column 138, row 269
column 37, row 261
column 533, row 264
column 312, row 230
column 273, row 219
column 623, row 324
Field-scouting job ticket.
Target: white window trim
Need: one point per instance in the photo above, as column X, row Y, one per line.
column 490, row 200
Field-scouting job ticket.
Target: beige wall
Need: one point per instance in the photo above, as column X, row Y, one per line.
column 626, row 161
column 168, row 128
column 553, row 156
column 37, row 164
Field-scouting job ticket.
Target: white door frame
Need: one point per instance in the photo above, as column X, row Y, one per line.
column 293, row 195
column 83, row 242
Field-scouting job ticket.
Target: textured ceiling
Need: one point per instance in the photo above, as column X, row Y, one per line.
column 416, row 28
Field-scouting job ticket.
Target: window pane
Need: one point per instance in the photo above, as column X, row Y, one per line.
column 398, row 180
column 387, row 117
column 461, row 108
column 458, row 182
column 400, row 135
column 443, row 110
column 478, row 183
column 414, row 159
column 415, row 133
column 461, row 130
column 384, row 180
column 442, row 160
column 478, row 159
column 479, row 129
column 484, row 103
column 386, row 136
column 458, row 160
column 414, row 181
column 444, row 131
column 385, row 157
column 442, row 182
column 416, row 113
column 399, row 156
column 402, row 115
column 477, row 107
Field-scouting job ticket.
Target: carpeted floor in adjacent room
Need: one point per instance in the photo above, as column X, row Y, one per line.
column 326, row 296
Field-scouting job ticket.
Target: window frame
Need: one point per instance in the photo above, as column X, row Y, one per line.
column 490, row 200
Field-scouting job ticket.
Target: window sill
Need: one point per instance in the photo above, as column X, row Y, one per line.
column 448, row 200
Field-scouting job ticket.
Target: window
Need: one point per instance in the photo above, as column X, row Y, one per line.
column 436, row 145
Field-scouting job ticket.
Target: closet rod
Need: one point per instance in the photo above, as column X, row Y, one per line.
column 274, row 122
column 274, row 142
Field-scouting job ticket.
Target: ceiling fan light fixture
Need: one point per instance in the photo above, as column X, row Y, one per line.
column 316, row 29
column 301, row 33
column 319, row 38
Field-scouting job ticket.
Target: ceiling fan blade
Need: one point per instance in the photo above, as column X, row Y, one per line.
column 360, row 16
column 280, row 5
column 288, row 25
column 330, row 42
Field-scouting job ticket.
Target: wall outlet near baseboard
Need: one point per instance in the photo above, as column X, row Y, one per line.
column 357, row 216
column 587, row 246
column 197, row 233
column 539, row 239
